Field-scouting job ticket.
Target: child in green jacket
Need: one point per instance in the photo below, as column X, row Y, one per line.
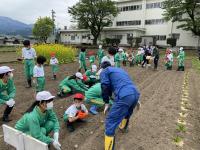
column 71, row 85
column 82, row 60
column 7, row 91
column 94, row 97
column 40, row 120
column 91, row 76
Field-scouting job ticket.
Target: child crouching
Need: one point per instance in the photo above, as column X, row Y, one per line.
column 76, row 112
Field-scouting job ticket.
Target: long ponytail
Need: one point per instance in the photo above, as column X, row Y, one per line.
column 30, row 109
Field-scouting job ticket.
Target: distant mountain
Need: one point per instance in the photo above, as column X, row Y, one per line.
column 9, row 26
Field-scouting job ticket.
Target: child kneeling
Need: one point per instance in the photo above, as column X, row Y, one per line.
column 76, row 112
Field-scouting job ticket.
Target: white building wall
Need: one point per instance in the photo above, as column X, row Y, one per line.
column 165, row 29
column 186, row 38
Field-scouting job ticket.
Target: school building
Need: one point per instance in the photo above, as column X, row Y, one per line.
column 136, row 18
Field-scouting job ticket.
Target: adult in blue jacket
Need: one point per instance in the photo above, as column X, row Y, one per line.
column 126, row 98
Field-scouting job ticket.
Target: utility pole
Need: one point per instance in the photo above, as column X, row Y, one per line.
column 53, row 18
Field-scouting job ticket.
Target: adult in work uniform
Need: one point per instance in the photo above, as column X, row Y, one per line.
column 28, row 54
column 93, row 96
column 126, row 98
column 100, row 54
column 40, row 120
column 72, row 84
column 7, row 91
column 181, row 59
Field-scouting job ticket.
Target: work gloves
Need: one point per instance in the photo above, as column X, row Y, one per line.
column 10, row 102
column 106, row 108
column 56, row 144
column 82, row 115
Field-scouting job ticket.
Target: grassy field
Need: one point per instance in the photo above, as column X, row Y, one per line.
column 8, row 48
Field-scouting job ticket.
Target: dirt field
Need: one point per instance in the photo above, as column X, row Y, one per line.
column 151, row 128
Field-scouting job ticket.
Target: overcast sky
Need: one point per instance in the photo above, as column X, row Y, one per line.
column 28, row 11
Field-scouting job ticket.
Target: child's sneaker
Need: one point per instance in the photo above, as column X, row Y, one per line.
column 93, row 110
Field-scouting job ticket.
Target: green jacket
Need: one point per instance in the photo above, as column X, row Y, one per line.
column 32, row 122
column 82, row 56
column 124, row 57
column 94, row 92
column 89, row 73
column 72, row 83
column 82, row 85
column 118, row 57
column 156, row 52
column 100, row 54
column 7, row 91
column 92, row 59
column 181, row 55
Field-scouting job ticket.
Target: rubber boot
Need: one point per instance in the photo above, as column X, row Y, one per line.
column 124, row 125
column 93, row 110
column 182, row 68
column 70, row 126
column 54, row 76
column 6, row 113
column 29, row 83
column 178, row 68
column 109, row 142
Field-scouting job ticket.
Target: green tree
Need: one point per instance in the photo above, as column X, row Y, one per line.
column 187, row 12
column 43, row 28
column 93, row 15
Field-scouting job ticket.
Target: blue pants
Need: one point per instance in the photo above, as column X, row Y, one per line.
column 122, row 108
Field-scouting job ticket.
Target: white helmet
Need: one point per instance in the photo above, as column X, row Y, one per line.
column 120, row 50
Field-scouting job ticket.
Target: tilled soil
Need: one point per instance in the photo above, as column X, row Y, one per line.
column 151, row 128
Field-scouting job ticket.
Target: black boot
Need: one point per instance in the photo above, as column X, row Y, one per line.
column 29, row 83
column 6, row 113
column 178, row 68
column 183, row 68
column 54, row 76
column 70, row 126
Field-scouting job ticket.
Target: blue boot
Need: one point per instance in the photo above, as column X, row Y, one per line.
column 93, row 110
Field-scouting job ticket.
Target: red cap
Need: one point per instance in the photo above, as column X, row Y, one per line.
column 52, row 54
column 79, row 96
column 84, row 77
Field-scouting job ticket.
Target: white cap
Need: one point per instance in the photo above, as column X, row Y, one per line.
column 100, row 46
column 5, row 69
column 79, row 75
column 94, row 68
column 181, row 48
column 120, row 50
column 44, row 95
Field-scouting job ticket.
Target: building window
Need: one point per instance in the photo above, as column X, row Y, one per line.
column 117, row 36
column 73, row 37
column 130, row 8
column 154, row 5
column 175, row 35
column 161, row 37
column 154, row 21
column 128, row 23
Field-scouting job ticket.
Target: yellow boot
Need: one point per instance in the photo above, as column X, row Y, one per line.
column 109, row 142
column 123, row 124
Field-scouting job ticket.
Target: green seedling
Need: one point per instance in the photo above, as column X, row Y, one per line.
column 181, row 127
column 177, row 139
